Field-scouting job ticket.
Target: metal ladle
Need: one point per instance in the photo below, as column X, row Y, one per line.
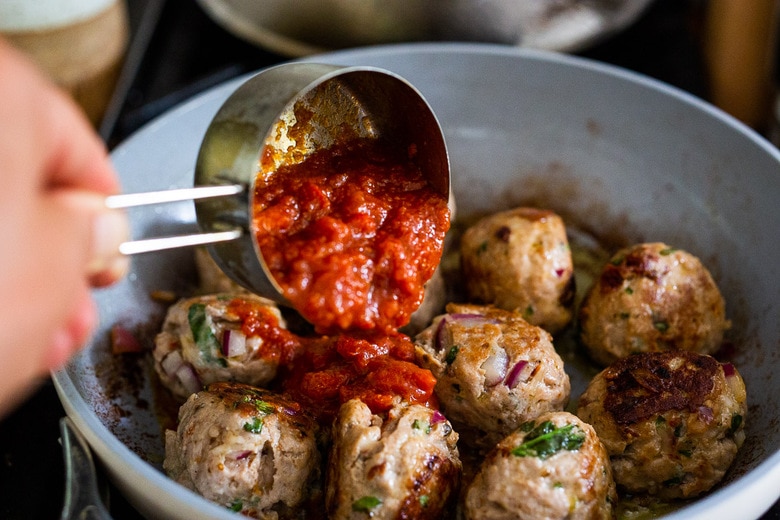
column 280, row 117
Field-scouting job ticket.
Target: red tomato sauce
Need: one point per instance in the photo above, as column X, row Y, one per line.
column 351, row 234
column 377, row 369
column 278, row 344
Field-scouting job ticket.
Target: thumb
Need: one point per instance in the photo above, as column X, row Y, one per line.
column 105, row 229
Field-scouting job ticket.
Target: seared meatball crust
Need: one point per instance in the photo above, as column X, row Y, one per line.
column 403, row 464
column 651, row 297
column 221, row 337
column 521, row 260
column 672, row 421
column 494, row 370
column 245, row 448
column 554, row 467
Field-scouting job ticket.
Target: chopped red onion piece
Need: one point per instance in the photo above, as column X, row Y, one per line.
column 728, row 369
column 233, row 343
column 438, row 344
column 172, row 362
column 437, row 417
column 706, row 414
column 513, row 379
column 243, row 454
column 495, row 367
column 470, row 319
column 123, row 341
column 189, row 378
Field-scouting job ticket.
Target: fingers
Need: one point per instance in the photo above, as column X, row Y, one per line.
column 58, row 236
column 103, row 231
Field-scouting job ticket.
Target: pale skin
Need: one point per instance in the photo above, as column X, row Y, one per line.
column 57, row 240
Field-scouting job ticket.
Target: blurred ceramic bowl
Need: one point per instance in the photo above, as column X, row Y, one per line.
column 311, row 26
column 622, row 157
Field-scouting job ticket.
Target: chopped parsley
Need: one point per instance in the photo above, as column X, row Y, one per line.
column 667, row 251
column 451, row 355
column 423, row 426
column 736, row 422
column 424, row 500
column 617, row 260
column 629, row 290
column 259, row 404
column 674, row 481
column 236, row 506
column 207, row 342
column 255, row 425
column 547, row 439
column 660, row 325
column 528, row 312
column 366, row 504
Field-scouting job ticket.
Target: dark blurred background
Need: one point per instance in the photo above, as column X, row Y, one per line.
column 177, row 51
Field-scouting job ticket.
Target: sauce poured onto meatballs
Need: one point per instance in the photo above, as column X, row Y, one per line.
column 351, row 234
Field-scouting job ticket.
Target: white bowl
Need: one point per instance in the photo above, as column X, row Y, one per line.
column 625, row 157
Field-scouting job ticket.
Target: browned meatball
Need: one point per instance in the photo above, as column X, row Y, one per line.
column 652, row 297
column 554, row 468
column 671, row 421
column 402, row 465
column 520, row 260
column 245, row 448
column 494, row 370
column 203, row 340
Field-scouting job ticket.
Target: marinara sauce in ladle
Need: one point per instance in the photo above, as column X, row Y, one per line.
column 347, row 184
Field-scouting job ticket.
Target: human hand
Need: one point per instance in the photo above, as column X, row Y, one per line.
column 58, row 239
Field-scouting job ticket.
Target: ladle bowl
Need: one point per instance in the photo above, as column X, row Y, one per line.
column 280, row 117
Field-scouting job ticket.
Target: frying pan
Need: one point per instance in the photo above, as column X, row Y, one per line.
column 621, row 157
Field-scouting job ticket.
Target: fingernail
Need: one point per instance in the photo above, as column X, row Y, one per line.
column 109, row 229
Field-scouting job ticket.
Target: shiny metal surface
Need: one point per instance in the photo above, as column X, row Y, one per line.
column 82, row 499
column 279, row 117
column 131, row 200
column 311, row 26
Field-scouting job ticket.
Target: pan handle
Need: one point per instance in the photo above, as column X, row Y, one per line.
column 82, row 499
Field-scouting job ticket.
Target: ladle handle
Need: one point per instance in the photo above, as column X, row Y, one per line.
column 130, row 200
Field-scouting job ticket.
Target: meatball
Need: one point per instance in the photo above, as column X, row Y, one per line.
column 494, row 370
column 247, row 449
column 648, row 298
column 671, row 421
column 521, row 260
column 402, row 465
column 554, row 467
column 221, row 337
